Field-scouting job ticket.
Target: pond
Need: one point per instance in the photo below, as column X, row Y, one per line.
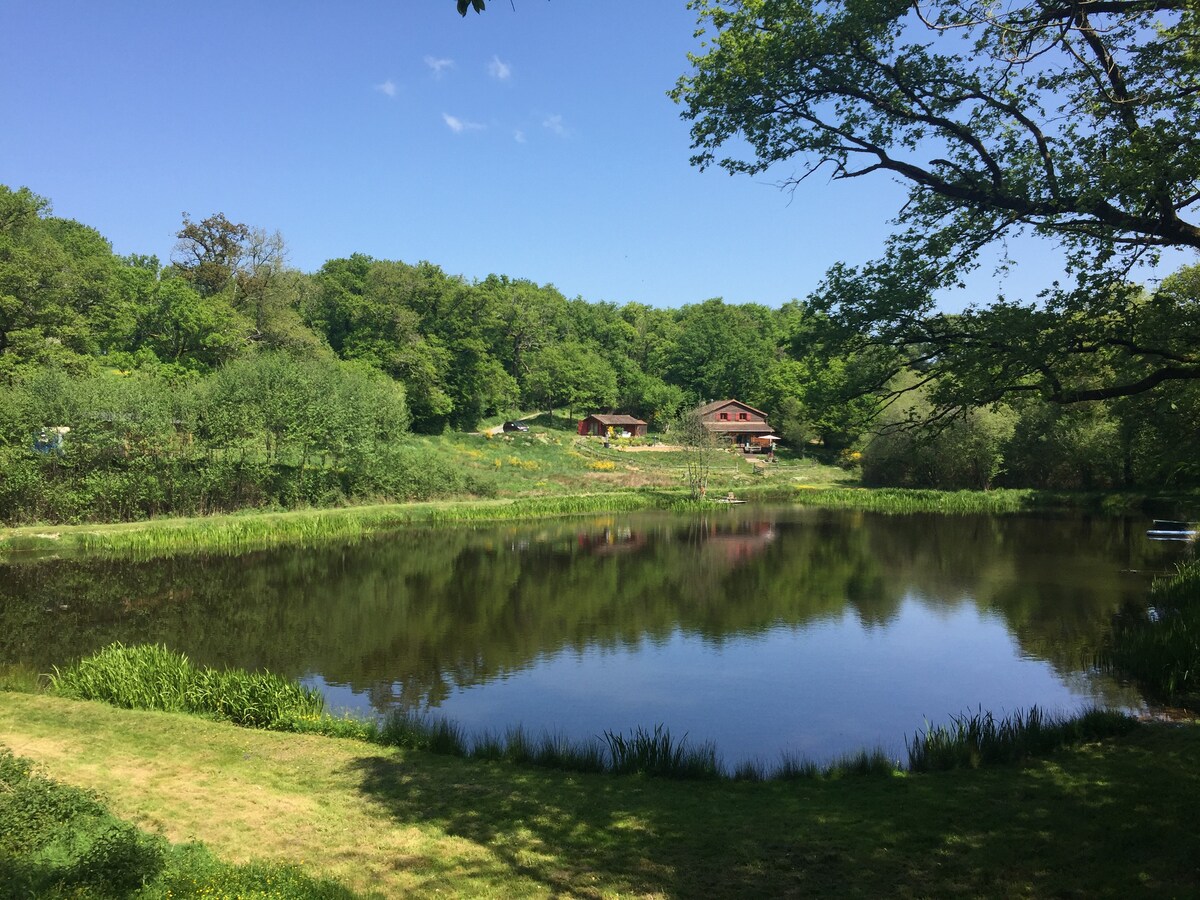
column 763, row 630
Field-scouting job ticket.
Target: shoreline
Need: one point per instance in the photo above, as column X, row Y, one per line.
column 249, row 530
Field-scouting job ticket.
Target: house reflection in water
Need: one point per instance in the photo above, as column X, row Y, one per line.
column 729, row 543
column 742, row 543
column 609, row 541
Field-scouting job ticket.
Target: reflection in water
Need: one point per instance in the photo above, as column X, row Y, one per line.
column 812, row 630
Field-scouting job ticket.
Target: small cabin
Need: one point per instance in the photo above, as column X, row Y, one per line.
column 621, row 425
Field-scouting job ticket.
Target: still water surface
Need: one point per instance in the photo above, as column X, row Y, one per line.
column 762, row 630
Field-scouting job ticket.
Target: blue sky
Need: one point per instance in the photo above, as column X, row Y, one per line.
column 537, row 143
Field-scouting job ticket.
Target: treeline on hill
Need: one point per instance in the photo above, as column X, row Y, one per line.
column 226, row 379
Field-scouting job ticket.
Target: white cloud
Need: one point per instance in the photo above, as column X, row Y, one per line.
column 555, row 124
column 438, row 65
column 519, row 136
column 388, row 88
column 501, row 71
column 458, row 126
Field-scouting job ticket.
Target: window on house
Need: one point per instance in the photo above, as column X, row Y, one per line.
column 724, row 417
column 743, row 416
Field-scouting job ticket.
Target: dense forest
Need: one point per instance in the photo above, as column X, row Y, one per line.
column 224, row 378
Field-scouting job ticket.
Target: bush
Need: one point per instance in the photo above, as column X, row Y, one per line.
column 61, row 841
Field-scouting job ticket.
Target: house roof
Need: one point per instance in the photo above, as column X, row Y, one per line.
column 605, row 419
column 717, row 404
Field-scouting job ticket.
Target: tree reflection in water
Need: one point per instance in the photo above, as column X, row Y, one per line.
column 412, row 618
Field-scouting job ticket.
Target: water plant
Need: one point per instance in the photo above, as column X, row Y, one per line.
column 1159, row 647
column 975, row 739
column 241, row 533
column 153, row 677
column 901, row 501
column 643, row 752
column 150, row 676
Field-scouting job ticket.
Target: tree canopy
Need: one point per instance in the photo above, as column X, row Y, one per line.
column 1075, row 121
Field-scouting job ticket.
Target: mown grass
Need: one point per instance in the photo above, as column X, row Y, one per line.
column 1111, row 819
column 57, row 840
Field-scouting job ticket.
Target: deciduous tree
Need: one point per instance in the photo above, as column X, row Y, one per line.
column 1076, row 121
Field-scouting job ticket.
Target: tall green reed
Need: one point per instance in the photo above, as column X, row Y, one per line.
column 656, row 752
column 1159, row 648
column 979, row 738
column 153, row 677
column 150, row 676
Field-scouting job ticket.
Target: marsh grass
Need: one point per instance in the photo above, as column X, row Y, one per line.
column 863, row 763
column 979, row 739
column 19, row 677
column 899, row 501
column 1159, row 648
column 150, row 676
column 656, row 752
column 308, row 528
column 153, row 677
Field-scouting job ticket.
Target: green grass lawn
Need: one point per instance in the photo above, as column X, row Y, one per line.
column 1116, row 819
column 551, row 459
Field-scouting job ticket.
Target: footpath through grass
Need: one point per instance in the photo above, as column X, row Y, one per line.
column 1115, row 819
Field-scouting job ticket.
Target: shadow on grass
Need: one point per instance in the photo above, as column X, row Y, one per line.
column 1106, row 820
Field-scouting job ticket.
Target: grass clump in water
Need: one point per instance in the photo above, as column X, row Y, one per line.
column 1159, row 648
column 150, row 676
column 978, row 739
column 903, row 501
column 643, row 752
column 864, row 763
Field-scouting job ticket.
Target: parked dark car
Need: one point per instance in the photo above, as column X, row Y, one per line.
column 515, row 426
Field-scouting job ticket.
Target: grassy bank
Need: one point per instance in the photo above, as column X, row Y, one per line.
column 260, row 530
column 548, row 471
column 254, row 531
column 1112, row 819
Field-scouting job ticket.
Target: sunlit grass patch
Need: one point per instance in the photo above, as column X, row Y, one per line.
column 62, row 841
column 907, row 500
